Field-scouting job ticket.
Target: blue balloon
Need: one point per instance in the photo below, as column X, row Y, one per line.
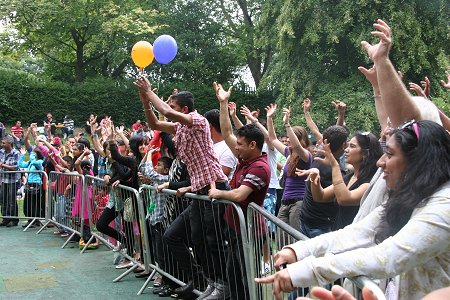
column 165, row 49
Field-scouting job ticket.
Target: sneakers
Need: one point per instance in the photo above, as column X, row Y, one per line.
column 220, row 292
column 209, row 289
column 124, row 264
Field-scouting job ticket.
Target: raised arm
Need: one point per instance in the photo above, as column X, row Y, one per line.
column 444, row 84
column 95, row 140
column 272, row 136
column 148, row 96
column 225, row 123
column 152, row 120
column 119, row 131
column 309, row 121
column 397, row 102
column 26, row 137
column 232, row 109
column 371, row 76
column 252, row 119
column 340, row 107
column 295, row 142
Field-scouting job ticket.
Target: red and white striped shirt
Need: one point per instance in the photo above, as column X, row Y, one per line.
column 195, row 149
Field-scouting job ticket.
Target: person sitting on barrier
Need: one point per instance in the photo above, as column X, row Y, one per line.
column 116, row 174
column 362, row 153
column 406, row 238
column 132, row 161
column 155, row 205
column 34, row 204
column 9, row 183
column 195, row 148
column 249, row 184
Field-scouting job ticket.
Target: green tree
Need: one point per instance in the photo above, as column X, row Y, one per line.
column 318, row 50
column 82, row 38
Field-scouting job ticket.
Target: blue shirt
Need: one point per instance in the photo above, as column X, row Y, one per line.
column 32, row 165
column 10, row 159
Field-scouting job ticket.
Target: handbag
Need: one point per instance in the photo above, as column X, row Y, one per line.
column 128, row 212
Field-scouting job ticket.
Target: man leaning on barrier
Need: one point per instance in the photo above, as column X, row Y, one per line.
column 195, row 149
column 249, row 184
column 9, row 158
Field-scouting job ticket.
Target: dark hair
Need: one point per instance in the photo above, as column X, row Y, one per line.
column 371, row 147
column 38, row 152
column 335, row 135
column 213, row 117
column 85, row 166
column 68, row 159
column 184, row 99
column 85, row 142
column 134, row 143
column 251, row 132
column 167, row 161
column 294, row 158
column 168, row 144
column 428, row 168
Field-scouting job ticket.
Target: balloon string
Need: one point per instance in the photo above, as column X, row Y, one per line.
column 159, row 77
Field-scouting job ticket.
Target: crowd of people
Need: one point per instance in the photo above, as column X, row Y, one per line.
column 374, row 205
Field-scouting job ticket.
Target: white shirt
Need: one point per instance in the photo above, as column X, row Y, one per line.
column 272, row 160
column 225, row 157
column 418, row 255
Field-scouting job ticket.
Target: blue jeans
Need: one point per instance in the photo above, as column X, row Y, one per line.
column 313, row 232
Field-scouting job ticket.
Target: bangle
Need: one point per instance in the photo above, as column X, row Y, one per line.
column 93, row 135
column 377, row 96
column 149, row 109
column 255, row 121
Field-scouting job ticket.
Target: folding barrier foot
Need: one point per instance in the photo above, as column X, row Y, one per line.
column 126, row 273
column 43, row 227
column 147, row 282
column 68, row 240
column 87, row 244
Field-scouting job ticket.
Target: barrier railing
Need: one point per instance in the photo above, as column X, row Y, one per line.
column 198, row 248
column 65, row 205
column 275, row 240
column 30, row 186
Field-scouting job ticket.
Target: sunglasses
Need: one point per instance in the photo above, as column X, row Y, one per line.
column 411, row 125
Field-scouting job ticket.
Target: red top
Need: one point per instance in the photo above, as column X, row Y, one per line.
column 156, row 143
column 136, row 126
column 17, row 131
column 255, row 174
column 195, row 149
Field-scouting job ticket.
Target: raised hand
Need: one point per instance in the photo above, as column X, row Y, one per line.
column 339, row 105
column 306, row 105
column 426, row 86
column 245, row 111
column 371, row 74
column 270, row 110
column 255, row 113
column 287, row 114
column 326, row 151
column 380, row 50
column 232, row 108
column 143, row 85
column 221, row 94
column 417, row 89
column 119, row 129
column 444, row 84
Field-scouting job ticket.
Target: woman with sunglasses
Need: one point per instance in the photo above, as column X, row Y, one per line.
column 406, row 239
column 362, row 153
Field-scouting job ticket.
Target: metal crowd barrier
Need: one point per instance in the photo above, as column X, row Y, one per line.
column 197, row 246
column 23, row 200
column 66, row 197
column 272, row 242
column 132, row 233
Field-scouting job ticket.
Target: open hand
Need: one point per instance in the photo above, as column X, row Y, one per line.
column 380, row 50
column 270, row 110
column 221, row 94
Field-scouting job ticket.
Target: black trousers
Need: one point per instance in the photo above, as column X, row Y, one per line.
column 8, row 201
column 108, row 215
column 34, row 203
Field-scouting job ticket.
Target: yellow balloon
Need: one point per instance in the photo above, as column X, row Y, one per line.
column 142, row 54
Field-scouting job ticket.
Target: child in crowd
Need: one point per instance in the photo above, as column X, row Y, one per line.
column 155, row 209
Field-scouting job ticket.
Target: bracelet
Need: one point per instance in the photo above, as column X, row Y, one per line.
column 149, row 109
column 93, row 135
column 377, row 96
column 338, row 183
column 287, row 125
column 255, row 121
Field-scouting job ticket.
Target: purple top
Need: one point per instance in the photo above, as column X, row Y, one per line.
column 295, row 186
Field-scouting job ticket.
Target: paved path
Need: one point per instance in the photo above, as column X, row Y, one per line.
column 35, row 267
